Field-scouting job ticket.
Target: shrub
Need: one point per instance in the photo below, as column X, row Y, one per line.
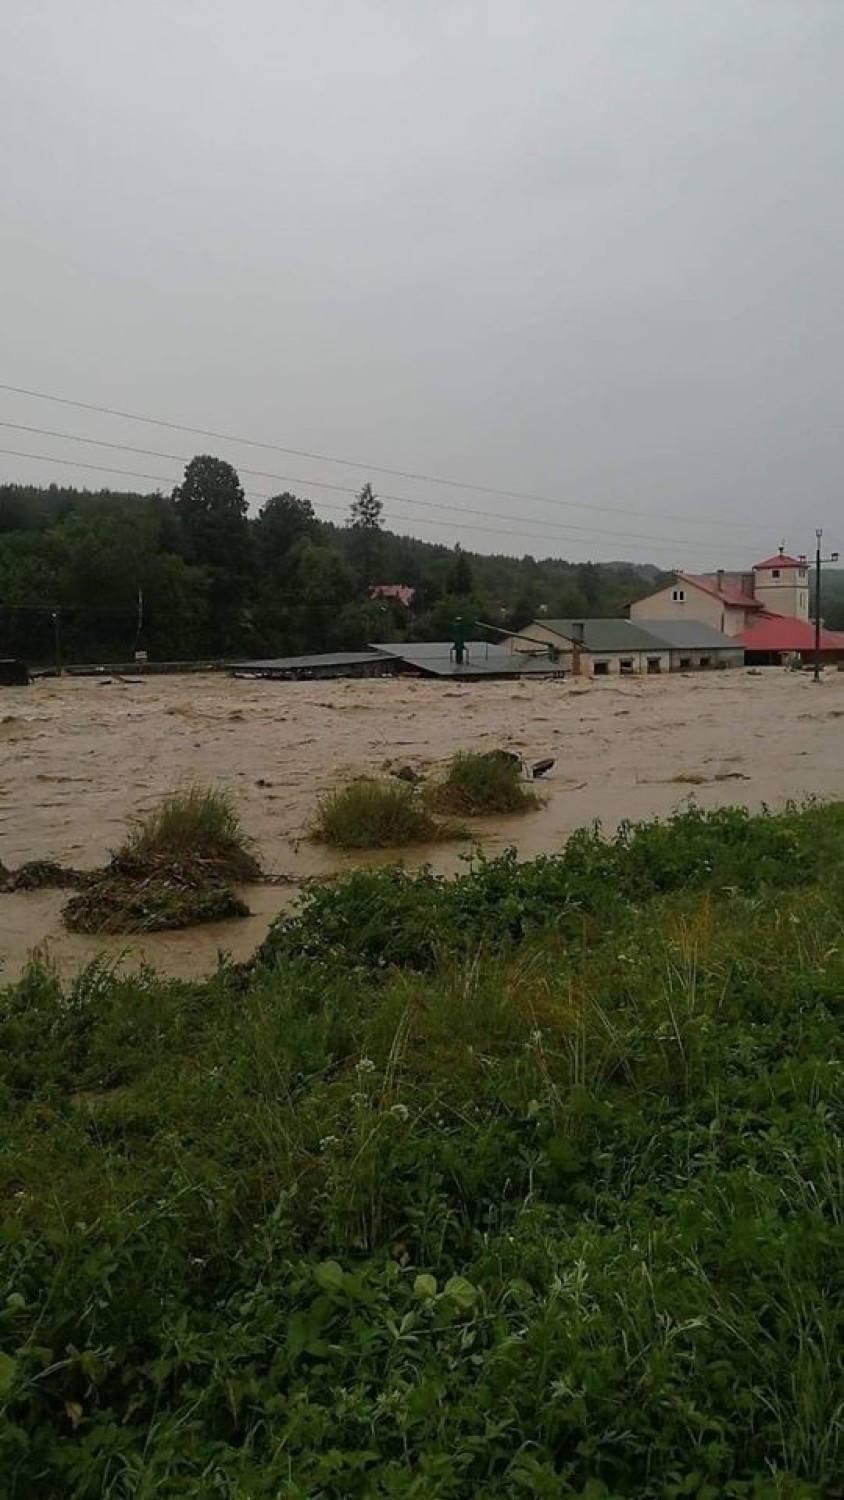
column 197, row 826
column 370, row 814
column 562, row 1220
column 172, row 871
column 375, row 917
column 482, row 781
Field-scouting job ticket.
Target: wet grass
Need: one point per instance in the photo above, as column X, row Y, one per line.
column 371, row 814
column 41, row 875
column 198, row 825
column 480, row 782
column 174, row 870
column 524, row 1184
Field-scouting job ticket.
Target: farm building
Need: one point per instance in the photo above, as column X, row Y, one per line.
column 468, row 659
column 694, row 646
column 775, row 640
column 627, row 648
column 596, row 648
column 316, row 668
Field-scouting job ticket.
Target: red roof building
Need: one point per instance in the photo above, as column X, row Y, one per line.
column 782, row 560
column 723, row 588
column 397, row 593
column 783, row 635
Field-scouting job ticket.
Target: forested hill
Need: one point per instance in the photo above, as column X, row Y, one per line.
column 192, row 575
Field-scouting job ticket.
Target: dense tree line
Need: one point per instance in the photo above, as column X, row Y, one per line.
column 192, row 575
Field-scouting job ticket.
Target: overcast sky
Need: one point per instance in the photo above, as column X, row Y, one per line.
column 588, row 249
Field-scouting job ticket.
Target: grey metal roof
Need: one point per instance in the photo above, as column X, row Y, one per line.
column 327, row 659
column 690, row 634
column 606, row 635
column 481, row 660
column 421, row 650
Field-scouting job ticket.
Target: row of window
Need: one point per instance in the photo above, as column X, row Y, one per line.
column 627, row 666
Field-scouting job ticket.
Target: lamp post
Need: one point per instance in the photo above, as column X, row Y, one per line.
column 819, row 561
column 57, row 640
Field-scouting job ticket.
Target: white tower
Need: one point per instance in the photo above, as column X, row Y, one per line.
column 781, row 584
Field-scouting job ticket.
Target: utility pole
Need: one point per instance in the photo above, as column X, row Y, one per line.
column 819, row 561
column 57, row 639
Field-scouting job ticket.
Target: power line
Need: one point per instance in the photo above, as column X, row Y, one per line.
column 351, row 463
column 578, row 532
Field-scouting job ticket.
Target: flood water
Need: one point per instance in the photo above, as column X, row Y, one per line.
column 80, row 757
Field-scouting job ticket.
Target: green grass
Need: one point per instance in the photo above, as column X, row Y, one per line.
column 482, row 781
column 370, row 814
column 197, row 825
column 527, row 1184
column 174, row 870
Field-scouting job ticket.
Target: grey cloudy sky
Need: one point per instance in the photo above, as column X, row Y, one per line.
column 590, row 249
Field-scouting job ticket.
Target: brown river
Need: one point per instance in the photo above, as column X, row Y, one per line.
column 79, row 758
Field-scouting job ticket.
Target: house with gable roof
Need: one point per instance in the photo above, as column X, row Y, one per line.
column 731, row 602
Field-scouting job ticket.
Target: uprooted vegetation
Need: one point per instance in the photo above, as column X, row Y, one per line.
column 41, row 875
column 371, row 814
column 174, row 870
column 527, row 1184
column 483, row 781
column 368, row 813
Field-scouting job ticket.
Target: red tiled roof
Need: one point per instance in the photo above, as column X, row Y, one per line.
column 401, row 592
column 782, row 560
column 729, row 593
column 783, row 633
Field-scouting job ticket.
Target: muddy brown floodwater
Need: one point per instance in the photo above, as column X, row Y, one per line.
column 80, row 757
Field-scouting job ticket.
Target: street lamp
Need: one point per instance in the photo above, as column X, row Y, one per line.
column 57, row 640
column 833, row 557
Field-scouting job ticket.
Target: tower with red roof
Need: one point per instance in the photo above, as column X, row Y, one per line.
column 781, row 585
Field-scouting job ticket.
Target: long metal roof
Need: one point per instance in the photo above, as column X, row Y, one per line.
column 481, row 659
column 606, row 635
column 691, row 634
column 327, row 659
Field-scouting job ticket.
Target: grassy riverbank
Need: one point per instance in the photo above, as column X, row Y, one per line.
column 524, row 1185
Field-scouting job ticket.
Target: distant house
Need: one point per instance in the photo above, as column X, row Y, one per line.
column 731, row 602
column 394, row 593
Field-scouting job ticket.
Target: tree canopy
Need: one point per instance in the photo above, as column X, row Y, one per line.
column 215, row 582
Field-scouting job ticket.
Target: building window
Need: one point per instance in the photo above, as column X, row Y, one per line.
column 679, row 596
column 802, row 573
column 706, row 661
column 626, row 667
column 685, row 663
column 775, row 572
column 654, row 664
column 601, row 669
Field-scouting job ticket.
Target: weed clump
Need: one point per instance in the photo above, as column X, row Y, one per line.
column 172, row 871
column 40, row 875
column 199, row 827
column 483, row 781
column 115, row 902
column 370, row 814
